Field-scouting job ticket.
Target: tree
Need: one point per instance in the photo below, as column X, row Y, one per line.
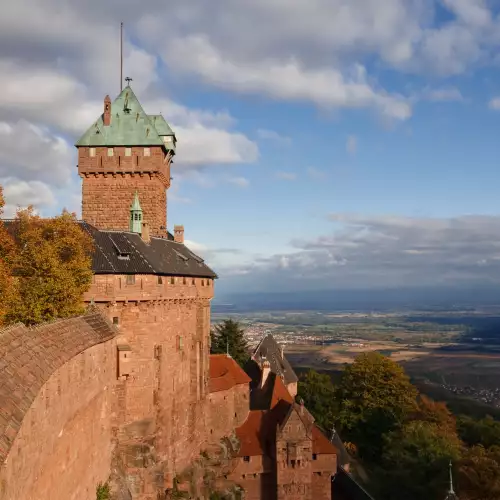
column 52, row 268
column 479, row 474
column 7, row 253
column 415, row 461
column 375, row 397
column 435, row 412
column 485, row 432
column 229, row 336
column 318, row 393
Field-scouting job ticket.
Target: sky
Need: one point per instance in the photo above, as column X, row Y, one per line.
column 322, row 144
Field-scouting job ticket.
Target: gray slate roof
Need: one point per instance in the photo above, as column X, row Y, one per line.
column 122, row 252
column 345, row 487
column 269, row 349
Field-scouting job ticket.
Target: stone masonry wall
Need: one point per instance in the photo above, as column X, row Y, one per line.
column 257, row 477
column 109, row 184
column 227, row 410
column 165, row 327
column 64, row 446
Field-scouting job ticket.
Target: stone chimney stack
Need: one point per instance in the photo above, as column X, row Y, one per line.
column 107, row 111
column 266, row 370
column 179, row 234
column 145, row 232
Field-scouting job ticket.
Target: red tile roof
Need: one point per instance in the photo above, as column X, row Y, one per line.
column 225, row 373
column 251, row 435
column 280, row 393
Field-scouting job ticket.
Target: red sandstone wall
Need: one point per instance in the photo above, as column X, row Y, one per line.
column 256, row 477
column 109, row 184
column 64, row 446
column 227, row 410
column 167, row 328
column 322, row 486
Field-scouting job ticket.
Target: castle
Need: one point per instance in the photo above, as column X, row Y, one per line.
column 129, row 392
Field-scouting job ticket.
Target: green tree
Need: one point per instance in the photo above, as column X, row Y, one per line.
column 318, row 393
column 485, row 432
column 414, row 462
column 52, row 268
column 375, row 397
column 479, row 474
column 229, row 335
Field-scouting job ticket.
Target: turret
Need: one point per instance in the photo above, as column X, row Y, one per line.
column 136, row 215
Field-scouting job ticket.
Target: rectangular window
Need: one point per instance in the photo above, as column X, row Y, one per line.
column 115, row 320
column 183, row 281
column 111, row 151
column 130, row 279
column 160, row 280
column 172, row 280
column 147, row 152
column 128, row 151
column 246, row 459
column 315, row 457
column 92, row 152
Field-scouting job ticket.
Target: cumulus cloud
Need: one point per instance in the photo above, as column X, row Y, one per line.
column 385, row 251
column 443, row 94
column 20, row 194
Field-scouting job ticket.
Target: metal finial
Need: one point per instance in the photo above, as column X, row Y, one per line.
column 128, row 80
column 333, row 433
column 227, row 349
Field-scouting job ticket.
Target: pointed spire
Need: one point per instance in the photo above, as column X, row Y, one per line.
column 451, row 492
column 451, row 480
column 227, row 349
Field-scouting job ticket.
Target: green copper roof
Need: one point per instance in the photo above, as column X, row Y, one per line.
column 162, row 127
column 130, row 125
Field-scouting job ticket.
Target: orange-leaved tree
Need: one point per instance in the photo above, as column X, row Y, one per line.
column 51, row 267
column 7, row 253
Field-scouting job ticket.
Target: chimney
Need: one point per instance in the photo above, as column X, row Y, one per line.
column 266, row 370
column 107, row 111
column 145, row 232
column 179, row 234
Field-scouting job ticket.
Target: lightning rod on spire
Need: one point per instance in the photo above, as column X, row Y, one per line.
column 121, row 56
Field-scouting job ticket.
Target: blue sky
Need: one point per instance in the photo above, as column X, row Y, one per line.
column 321, row 143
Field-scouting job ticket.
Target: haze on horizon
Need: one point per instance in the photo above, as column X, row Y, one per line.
column 330, row 152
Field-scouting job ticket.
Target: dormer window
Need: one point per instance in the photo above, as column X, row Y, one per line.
column 147, row 151
column 137, row 216
column 111, row 151
column 91, row 152
column 128, row 151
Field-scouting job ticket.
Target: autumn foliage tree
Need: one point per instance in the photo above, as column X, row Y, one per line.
column 375, row 397
column 7, row 253
column 47, row 270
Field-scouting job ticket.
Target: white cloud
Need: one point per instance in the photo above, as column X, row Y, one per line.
column 271, row 135
column 30, row 152
column 494, row 103
column 351, row 144
column 286, row 176
column 20, row 194
column 288, row 80
column 239, row 181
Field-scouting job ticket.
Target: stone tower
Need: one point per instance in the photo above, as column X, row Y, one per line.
column 124, row 153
